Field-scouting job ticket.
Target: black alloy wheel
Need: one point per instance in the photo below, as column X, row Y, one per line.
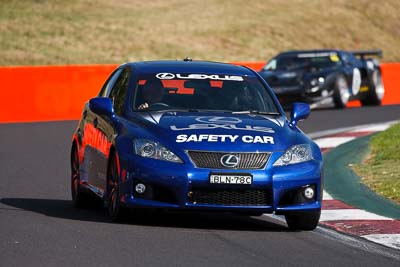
column 116, row 210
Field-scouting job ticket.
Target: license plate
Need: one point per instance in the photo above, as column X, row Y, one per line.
column 230, row 179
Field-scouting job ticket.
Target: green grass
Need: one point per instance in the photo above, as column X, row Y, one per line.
column 380, row 170
column 110, row 31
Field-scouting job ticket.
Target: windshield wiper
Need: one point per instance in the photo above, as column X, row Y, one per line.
column 168, row 110
column 256, row 112
column 179, row 110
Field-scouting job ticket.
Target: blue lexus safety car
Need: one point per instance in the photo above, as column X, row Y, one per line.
column 194, row 135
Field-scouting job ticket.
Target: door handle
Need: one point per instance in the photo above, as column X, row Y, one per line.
column 95, row 122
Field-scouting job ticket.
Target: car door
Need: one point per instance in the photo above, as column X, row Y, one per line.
column 94, row 139
column 106, row 128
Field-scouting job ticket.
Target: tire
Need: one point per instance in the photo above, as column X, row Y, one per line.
column 376, row 90
column 79, row 198
column 341, row 93
column 303, row 222
column 115, row 208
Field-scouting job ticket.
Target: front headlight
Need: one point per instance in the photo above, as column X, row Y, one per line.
column 295, row 154
column 150, row 149
column 319, row 81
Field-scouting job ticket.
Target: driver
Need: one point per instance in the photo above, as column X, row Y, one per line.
column 229, row 94
column 152, row 93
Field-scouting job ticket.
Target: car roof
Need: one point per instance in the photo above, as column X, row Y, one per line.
column 311, row 51
column 178, row 66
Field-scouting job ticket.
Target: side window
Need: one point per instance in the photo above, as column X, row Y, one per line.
column 271, row 65
column 105, row 91
column 119, row 91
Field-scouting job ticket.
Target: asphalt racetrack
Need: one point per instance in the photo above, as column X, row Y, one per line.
column 39, row 226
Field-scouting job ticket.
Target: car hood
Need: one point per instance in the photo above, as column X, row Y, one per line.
column 293, row 77
column 283, row 78
column 212, row 131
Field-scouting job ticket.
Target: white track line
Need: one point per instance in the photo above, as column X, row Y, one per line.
column 390, row 240
column 332, row 141
column 358, row 128
column 349, row 214
column 373, row 128
column 326, row 196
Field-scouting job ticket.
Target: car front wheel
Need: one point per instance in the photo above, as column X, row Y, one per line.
column 116, row 210
column 303, row 221
column 341, row 93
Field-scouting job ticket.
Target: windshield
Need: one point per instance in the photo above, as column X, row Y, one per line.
column 168, row 91
column 303, row 61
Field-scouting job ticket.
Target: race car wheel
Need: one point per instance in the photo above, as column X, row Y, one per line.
column 376, row 90
column 341, row 93
column 306, row 222
column 78, row 197
column 116, row 210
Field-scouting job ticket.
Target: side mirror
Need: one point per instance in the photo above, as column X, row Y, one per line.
column 101, row 106
column 300, row 111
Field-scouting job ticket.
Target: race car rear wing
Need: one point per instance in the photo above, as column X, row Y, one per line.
column 364, row 53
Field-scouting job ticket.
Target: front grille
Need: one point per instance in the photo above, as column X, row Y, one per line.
column 212, row 160
column 231, row 197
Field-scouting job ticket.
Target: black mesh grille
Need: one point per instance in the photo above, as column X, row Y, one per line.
column 212, row 160
column 231, row 197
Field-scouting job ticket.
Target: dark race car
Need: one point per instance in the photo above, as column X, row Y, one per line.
column 325, row 76
column 182, row 135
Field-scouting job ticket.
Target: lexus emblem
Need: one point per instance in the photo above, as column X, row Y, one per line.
column 230, row 161
column 165, row 76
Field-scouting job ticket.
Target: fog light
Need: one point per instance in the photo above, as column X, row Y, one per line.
column 309, row 192
column 140, row 188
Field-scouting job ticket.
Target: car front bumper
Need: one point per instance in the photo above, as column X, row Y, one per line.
column 300, row 93
column 174, row 186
